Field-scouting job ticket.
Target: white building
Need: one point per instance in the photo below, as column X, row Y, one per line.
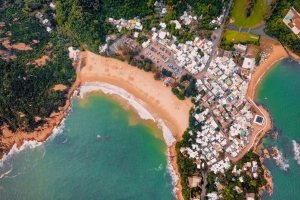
column 52, row 5
column 248, row 63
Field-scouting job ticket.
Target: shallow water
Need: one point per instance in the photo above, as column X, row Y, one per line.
column 100, row 154
column 279, row 91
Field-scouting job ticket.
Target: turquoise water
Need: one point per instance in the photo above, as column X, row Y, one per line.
column 128, row 161
column 279, row 91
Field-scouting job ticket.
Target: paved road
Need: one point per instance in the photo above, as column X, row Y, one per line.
column 258, row 31
column 218, row 37
column 203, row 188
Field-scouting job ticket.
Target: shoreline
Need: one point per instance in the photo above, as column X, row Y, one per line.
column 8, row 139
column 159, row 100
column 278, row 53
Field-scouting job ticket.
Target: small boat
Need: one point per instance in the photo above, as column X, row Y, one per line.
column 266, row 98
column 98, row 136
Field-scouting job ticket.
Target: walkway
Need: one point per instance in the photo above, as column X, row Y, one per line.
column 257, row 31
column 203, row 188
column 218, row 38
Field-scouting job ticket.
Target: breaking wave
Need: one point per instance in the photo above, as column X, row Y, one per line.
column 139, row 106
column 32, row 143
column 282, row 161
column 296, row 148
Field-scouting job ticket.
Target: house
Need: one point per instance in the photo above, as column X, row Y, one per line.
column 146, row 44
column 52, row 6
column 241, row 48
column 136, row 34
column 39, row 15
column 103, row 48
column 194, row 181
column 162, row 35
column 248, row 63
column 238, row 190
column 178, row 25
column 73, row 53
column 292, row 20
column 48, row 29
column 163, row 25
column 212, row 196
column 250, row 196
column 46, row 22
column 138, row 26
column 220, row 187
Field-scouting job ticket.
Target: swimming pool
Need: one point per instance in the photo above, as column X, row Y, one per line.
column 289, row 16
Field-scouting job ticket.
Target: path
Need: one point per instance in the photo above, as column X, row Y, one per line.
column 252, row 139
column 257, row 31
column 203, row 187
column 218, row 38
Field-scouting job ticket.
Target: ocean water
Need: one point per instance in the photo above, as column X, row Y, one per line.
column 279, row 91
column 101, row 152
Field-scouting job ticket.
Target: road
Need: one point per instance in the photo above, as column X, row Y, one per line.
column 203, row 188
column 218, row 38
column 257, row 31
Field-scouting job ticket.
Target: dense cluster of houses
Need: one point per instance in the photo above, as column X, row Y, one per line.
column 127, row 24
column 46, row 21
column 226, row 117
column 186, row 55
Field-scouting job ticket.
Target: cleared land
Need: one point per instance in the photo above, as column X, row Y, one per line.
column 253, row 21
column 235, row 37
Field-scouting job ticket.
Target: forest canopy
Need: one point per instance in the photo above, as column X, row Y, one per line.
column 84, row 20
column 26, row 90
column 276, row 28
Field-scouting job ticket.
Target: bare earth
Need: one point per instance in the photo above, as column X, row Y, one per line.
column 60, row 87
column 160, row 100
column 8, row 138
column 19, row 46
column 41, row 61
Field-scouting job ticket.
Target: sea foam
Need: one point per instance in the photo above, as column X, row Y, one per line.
column 282, row 161
column 32, row 143
column 139, row 106
column 296, row 148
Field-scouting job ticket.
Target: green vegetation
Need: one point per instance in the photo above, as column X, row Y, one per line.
column 248, row 16
column 182, row 91
column 208, row 9
column 27, row 89
column 231, row 37
column 276, row 28
column 235, row 36
column 250, row 185
column 84, row 21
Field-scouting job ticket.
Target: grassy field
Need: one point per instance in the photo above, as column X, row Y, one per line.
column 238, row 14
column 235, row 37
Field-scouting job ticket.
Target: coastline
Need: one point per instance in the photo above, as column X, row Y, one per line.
column 293, row 55
column 159, row 100
column 9, row 139
column 278, row 53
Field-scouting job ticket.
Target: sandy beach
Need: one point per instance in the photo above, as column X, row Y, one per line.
column 161, row 102
column 278, row 53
